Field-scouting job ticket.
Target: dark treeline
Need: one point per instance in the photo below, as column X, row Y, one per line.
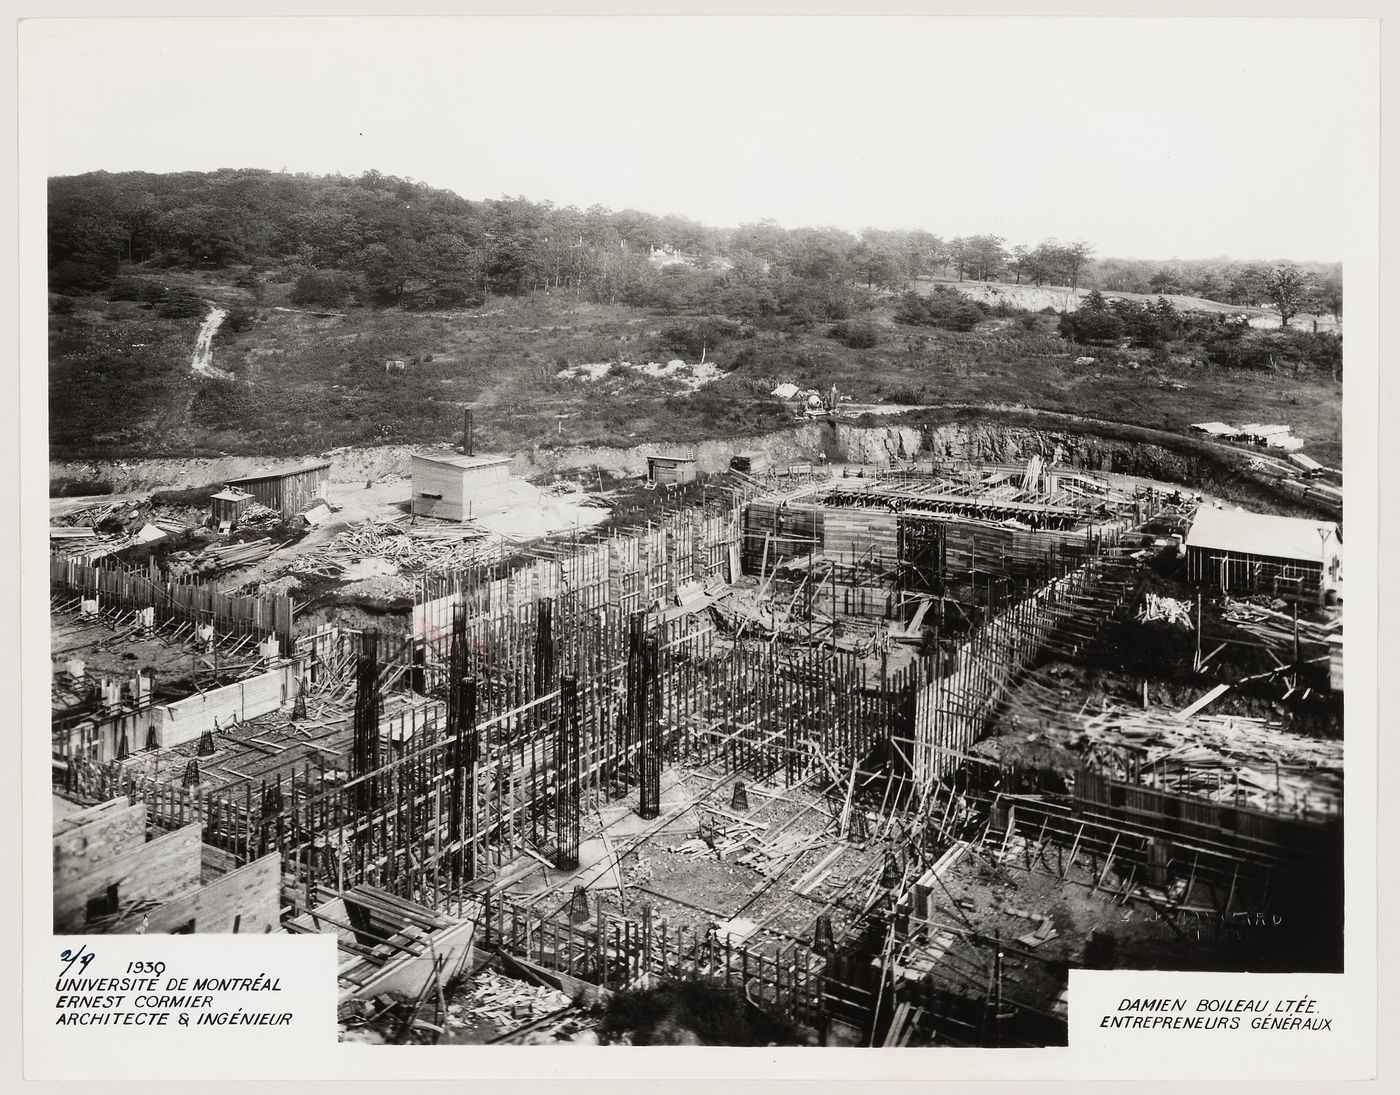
column 383, row 241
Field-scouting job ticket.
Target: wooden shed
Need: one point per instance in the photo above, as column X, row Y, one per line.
column 288, row 490
column 672, row 469
column 1241, row 552
column 228, row 505
column 455, row 486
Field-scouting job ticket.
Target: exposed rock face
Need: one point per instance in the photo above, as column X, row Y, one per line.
column 980, row 437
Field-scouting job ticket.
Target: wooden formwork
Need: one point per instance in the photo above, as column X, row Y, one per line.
column 175, row 600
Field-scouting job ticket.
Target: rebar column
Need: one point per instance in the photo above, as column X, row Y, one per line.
column 649, row 728
column 630, row 730
column 544, row 647
column 465, row 751
column 566, row 775
column 364, row 755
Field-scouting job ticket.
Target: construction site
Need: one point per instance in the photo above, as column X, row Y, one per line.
column 828, row 754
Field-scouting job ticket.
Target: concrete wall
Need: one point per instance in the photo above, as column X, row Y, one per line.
column 156, row 870
column 85, row 840
column 185, row 720
column 250, row 894
column 105, row 732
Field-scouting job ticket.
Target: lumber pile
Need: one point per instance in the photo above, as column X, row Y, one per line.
column 1167, row 609
column 220, row 557
column 1276, row 629
column 1044, row 930
column 506, row 1001
column 770, row 859
column 411, row 548
column 1233, row 758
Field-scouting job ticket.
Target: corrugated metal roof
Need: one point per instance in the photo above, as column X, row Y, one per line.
column 1265, row 534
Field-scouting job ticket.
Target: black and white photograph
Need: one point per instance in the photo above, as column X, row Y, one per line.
column 657, row 531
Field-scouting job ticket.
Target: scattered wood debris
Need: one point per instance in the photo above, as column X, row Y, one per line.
column 410, row 548
column 506, row 1001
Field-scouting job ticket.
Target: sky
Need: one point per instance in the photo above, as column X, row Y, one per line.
column 1149, row 138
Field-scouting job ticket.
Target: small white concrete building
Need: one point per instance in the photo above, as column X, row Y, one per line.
column 457, row 487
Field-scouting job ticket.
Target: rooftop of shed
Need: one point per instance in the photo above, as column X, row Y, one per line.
column 282, row 473
column 462, row 460
column 1265, row 534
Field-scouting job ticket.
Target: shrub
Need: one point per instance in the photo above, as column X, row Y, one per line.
column 324, row 289
column 239, row 319
column 180, row 304
column 744, row 359
column 192, row 496
column 691, row 338
column 68, row 276
column 143, row 290
column 945, row 308
column 1091, row 326
column 222, row 403
column 858, row 334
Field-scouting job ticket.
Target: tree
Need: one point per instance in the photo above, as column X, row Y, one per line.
column 960, row 252
column 923, row 251
column 987, row 255
column 1163, row 281
column 1074, row 256
column 1286, row 287
column 1248, row 286
column 1020, row 259
column 1094, row 302
column 86, row 242
column 1327, row 295
column 880, row 263
column 1041, row 264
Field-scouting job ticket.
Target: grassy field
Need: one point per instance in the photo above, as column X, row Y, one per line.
column 305, row 382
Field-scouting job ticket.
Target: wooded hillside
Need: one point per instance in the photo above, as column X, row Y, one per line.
column 384, row 241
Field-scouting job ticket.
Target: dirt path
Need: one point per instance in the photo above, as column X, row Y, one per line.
column 201, row 364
